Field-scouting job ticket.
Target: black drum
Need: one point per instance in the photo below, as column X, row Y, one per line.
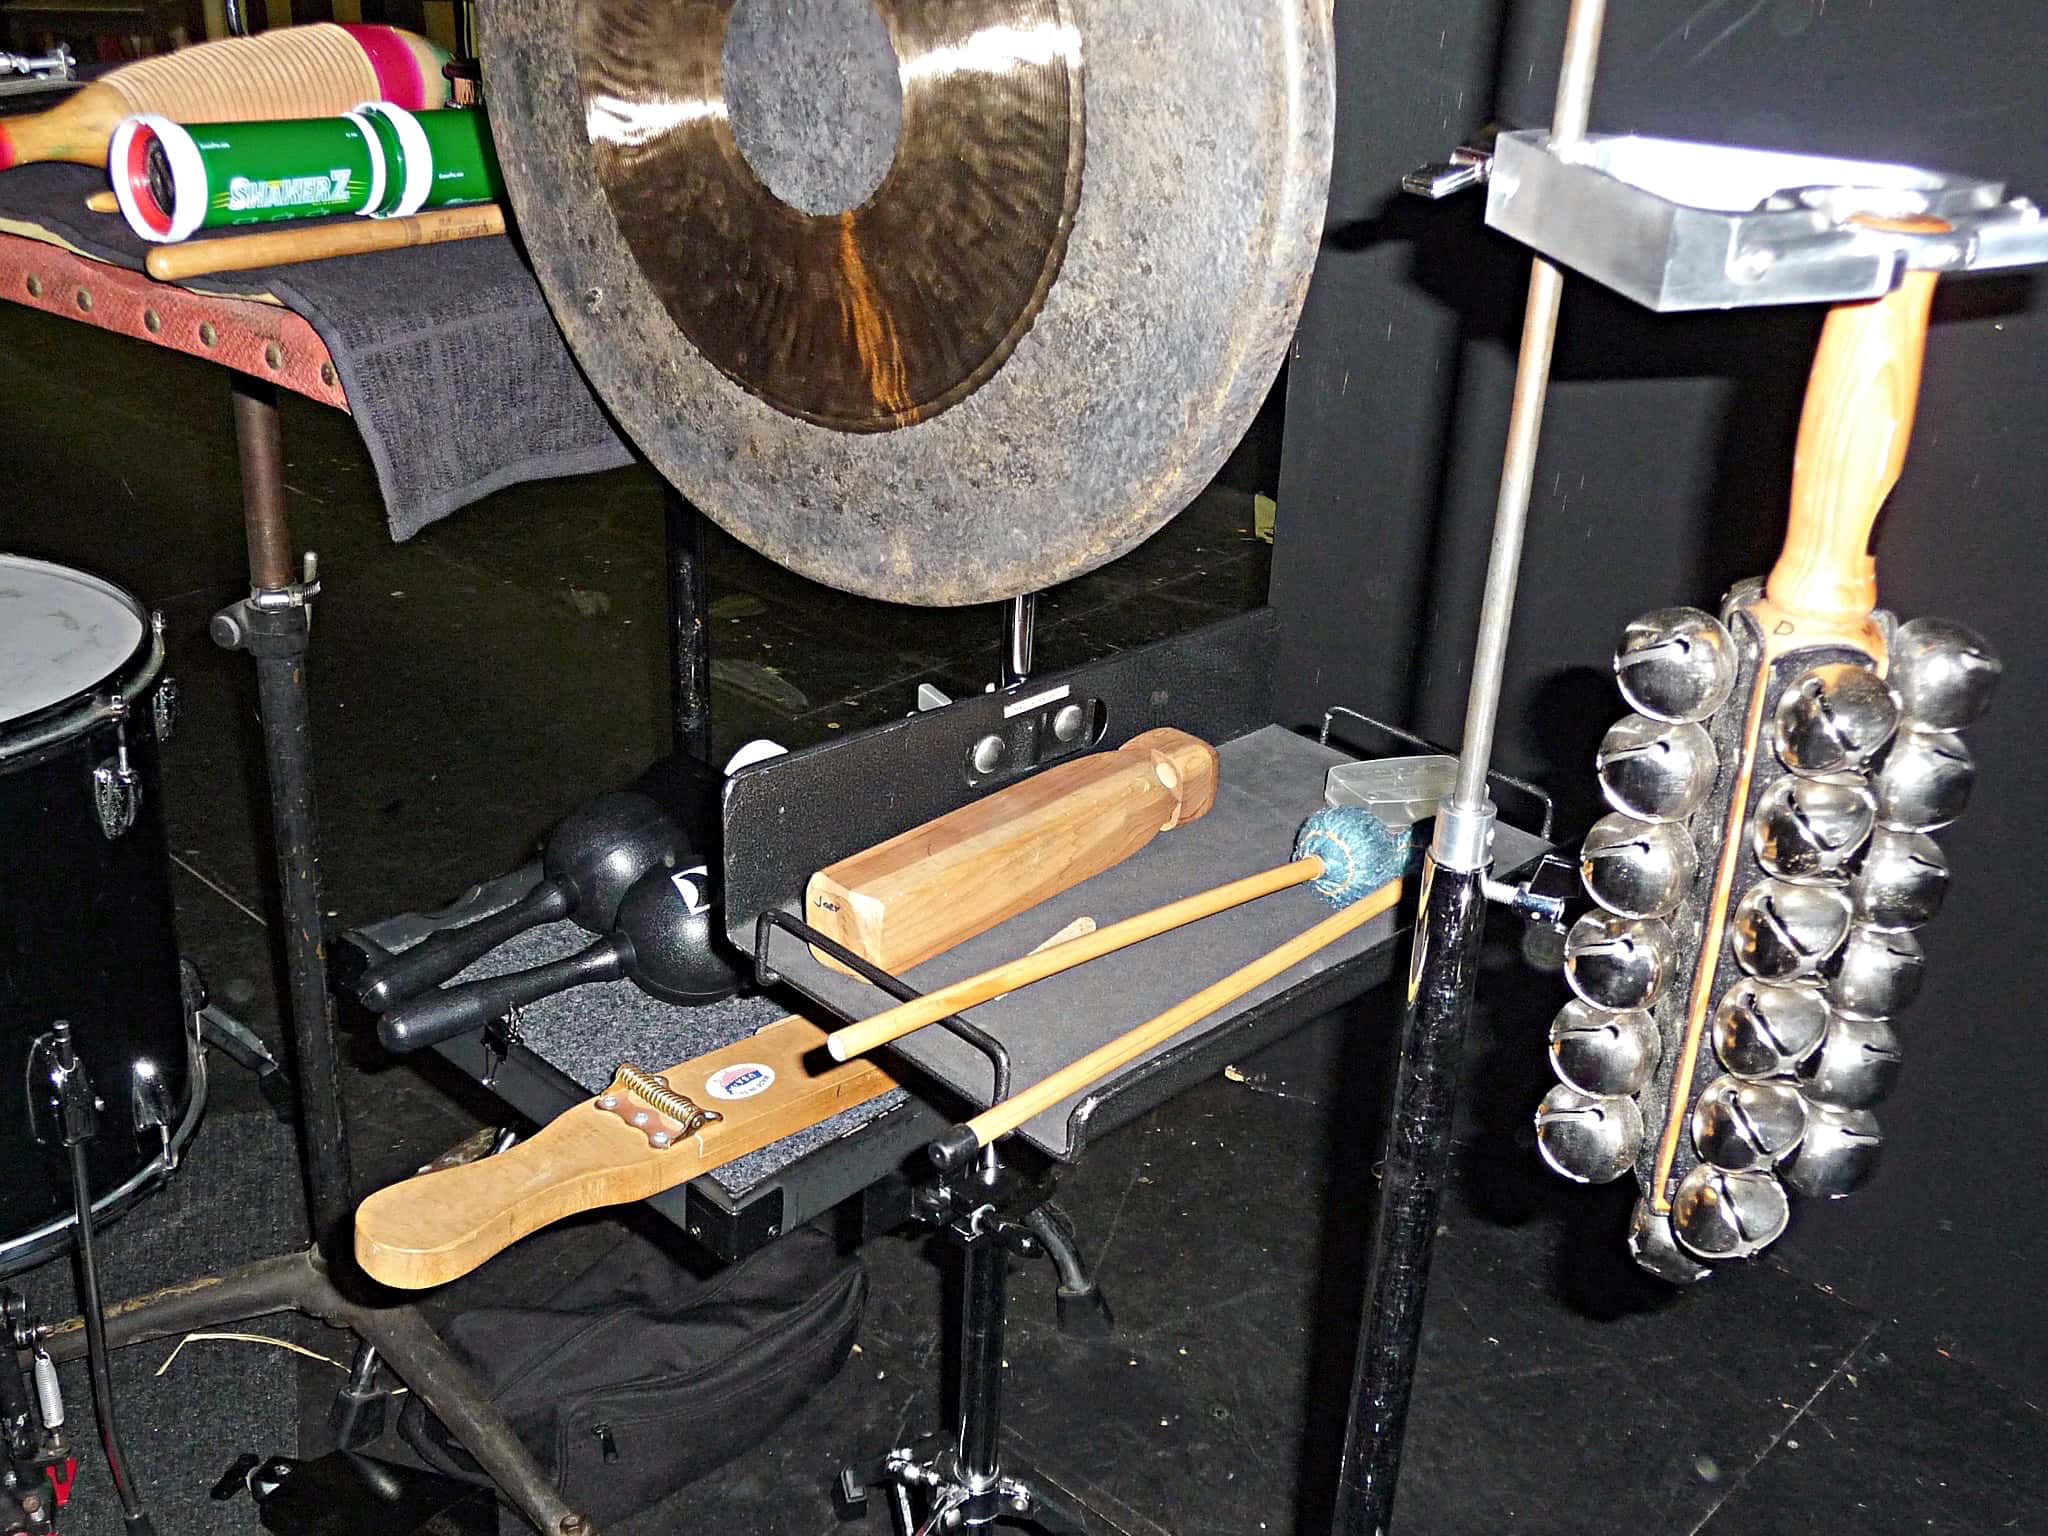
column 85, row 900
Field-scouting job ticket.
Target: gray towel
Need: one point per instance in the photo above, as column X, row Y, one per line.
column 458, row 379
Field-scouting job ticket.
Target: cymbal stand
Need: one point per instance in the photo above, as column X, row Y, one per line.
column 1451, row 922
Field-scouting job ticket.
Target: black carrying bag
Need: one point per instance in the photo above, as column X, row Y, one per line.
column 640, row 1376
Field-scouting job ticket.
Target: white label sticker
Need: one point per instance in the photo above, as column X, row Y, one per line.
column 740, row 1082
column 690, row 884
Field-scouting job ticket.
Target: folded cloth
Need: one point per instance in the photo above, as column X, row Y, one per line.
column 458, row 379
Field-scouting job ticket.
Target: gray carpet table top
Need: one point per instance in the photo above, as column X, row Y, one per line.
column 456, row 375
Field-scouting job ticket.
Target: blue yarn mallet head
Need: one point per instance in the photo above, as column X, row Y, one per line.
column 1360, row 853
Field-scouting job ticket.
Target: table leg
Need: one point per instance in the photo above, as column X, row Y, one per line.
column 689, row 647
column 274, row 625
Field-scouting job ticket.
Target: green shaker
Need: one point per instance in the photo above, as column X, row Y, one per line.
column 172, row 179
column 435, row 159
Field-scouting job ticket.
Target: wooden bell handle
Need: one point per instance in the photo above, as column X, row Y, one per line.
column 437, row 1226
column 1852, row 445
column 960, row 1143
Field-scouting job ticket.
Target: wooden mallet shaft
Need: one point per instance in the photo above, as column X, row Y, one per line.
column 905, row 1018
column 317, row 242
column 963, row 1141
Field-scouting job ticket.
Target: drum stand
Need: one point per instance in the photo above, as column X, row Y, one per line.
column 274, row 625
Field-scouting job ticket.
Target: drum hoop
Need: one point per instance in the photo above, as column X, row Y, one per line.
column 38, row 1242
column 87, row 712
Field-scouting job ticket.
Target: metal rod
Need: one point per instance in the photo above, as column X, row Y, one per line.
column 1443, row 967
column 984, row 1289
column 689, row 643
column 1020, row 634
column 277, row 636
column 1525, row 425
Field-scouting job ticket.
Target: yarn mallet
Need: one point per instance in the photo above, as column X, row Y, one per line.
column 1362, row 861
column 1346, row 852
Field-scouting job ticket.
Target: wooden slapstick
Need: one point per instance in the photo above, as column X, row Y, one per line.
column 932, row 887
column 1822, row 593
column 434, row 1227
column 319, row 70
column 282, row 247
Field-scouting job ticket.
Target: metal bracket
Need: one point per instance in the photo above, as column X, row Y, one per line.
column 1678, row 225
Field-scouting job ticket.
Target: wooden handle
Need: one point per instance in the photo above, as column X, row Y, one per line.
column 77, row 129
column 1852, row 445
column 934, row 886
column 103, row 202
column 281, row 247
column 437, row 1226
column 1076, row 1076
column 906, row 1018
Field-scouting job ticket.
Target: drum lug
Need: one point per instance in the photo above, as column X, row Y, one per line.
column 149, row 1105
column 116, row 786
column 165, row 705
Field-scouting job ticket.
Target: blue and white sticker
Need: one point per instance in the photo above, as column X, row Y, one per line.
column 740, row 1082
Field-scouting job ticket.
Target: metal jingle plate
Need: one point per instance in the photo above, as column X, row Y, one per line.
column 1604, row 1054
column 1809, row 830
column 1676, row 664
column 1945, row 672
column 1855, row 1067
column 1588, row 1140
column 1019, row 352
column 1656, row 770
column 1721, row 1215
column 1617, row 963
column 1834, row 717
column 1766, row 1029
column 1839, row 1155
column 1785, row 932
column 1638, row 868
column 1739, row 1124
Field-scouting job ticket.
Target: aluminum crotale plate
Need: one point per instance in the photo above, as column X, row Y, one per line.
column 936, row 301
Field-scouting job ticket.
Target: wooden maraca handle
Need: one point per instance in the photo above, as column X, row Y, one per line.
column 953, row 1148
column 437, row 1226
column 941, row 883
column 1852, row 444
column 76, row 129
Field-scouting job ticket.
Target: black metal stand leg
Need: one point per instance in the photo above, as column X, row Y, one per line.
column 1083, row 1309
column 274, row 624
column 689, row 648
column 1441, row 981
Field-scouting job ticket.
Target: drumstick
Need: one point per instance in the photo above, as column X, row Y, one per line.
column 278, row 248
column 1368, row 894
column 103, row 202
column 1339, row 838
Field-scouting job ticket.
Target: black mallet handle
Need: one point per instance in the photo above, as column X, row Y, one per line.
column 460, row 1010
column 441, row 955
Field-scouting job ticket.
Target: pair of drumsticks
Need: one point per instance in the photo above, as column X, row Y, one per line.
column 1353, row 860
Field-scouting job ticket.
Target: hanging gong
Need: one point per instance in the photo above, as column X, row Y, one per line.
column 937, row 301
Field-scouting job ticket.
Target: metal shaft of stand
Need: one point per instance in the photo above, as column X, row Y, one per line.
column 689, row 648
column 277, row 636
column 984, row 1292
column 1444, row 964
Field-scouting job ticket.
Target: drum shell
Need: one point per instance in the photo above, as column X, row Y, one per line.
column 86, row 935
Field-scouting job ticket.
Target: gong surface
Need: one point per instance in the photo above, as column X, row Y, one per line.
column 938, row 301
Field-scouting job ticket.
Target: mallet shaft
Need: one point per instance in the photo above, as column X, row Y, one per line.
column 1001, row 1119
column 895, row 1023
